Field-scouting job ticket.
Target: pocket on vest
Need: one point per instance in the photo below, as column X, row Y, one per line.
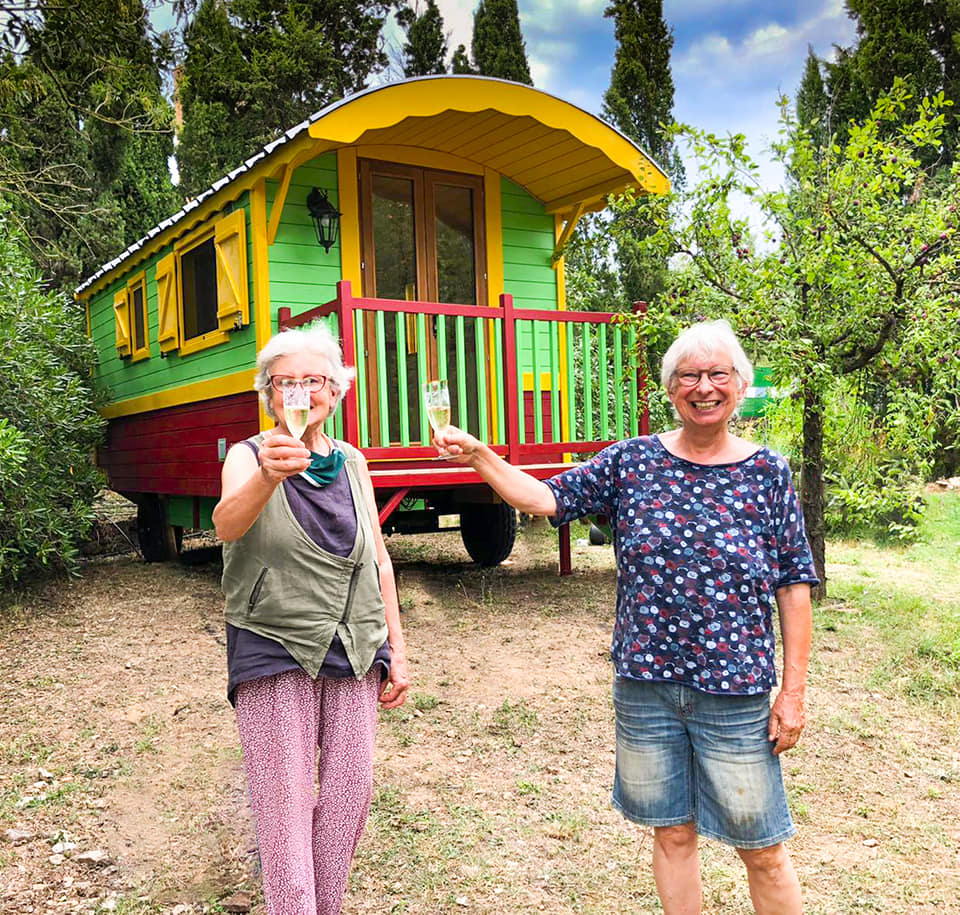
column 257, row 588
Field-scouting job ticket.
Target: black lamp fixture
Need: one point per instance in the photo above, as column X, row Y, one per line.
column 325, row 216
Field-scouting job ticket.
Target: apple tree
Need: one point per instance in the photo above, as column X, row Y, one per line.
column 853, row 274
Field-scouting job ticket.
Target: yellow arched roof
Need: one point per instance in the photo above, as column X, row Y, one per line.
column 564, row 156
column 568, row 159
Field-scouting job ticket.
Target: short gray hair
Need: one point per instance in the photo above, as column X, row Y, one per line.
column 704, row 339
column 315, row 338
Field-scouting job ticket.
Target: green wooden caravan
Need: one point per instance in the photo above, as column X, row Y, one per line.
column 450, row 200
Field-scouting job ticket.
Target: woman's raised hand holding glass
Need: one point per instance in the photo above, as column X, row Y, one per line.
column 436, row 396
column 296, row 408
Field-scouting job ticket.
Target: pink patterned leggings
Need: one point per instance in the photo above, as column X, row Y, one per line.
column 307, row 838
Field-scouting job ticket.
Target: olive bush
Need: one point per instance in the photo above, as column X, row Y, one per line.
column 49, row 425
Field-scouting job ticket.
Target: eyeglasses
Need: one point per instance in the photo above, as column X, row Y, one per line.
column 311, row 383
column 718, row 374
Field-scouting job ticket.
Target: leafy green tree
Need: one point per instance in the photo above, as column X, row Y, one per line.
column 916, row 42
column 254, row 68
column 498, row 46
column 856, row 277
column 425, row 51
column 87, row 130
column 48, row 422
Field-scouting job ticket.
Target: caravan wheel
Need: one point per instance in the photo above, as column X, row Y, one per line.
column 488, row 531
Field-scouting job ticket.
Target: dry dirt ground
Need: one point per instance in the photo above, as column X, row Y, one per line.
column 121, row 787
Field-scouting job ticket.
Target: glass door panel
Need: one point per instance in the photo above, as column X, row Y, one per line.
column 456, row 263
column 394, row 237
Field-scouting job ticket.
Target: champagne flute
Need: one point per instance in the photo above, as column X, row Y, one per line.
column 296, row 409
column 436, row 395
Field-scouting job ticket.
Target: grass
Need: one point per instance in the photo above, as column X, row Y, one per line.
column 906, row 600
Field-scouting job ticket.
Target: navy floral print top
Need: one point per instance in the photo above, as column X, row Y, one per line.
column 701, row 550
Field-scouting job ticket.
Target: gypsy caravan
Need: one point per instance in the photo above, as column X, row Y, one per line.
column 425, row 221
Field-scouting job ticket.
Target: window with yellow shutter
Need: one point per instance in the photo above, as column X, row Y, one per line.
column 121, row 322
column 207, row 284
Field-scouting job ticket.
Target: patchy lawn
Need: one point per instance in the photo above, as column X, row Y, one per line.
column 121, row 786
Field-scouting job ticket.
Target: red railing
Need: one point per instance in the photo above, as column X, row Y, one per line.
column 594, row 390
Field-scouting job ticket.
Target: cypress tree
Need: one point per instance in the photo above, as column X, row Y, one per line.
column 812, row 102
column 498, row 45
column 425, row 51
column 638, row 101
column 640, row 96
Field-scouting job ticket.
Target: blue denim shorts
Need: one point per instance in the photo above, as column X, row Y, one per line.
column 684, row 755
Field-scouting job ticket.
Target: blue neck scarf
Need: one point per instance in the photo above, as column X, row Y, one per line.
column 324, row 468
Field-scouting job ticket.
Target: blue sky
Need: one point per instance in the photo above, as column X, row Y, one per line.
column 731, row 58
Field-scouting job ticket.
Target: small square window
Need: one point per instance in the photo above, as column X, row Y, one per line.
column 199, row 284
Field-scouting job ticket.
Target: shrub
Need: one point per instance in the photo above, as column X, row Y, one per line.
column 48, row 421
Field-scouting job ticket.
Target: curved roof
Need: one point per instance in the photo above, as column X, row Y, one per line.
column 562, row 155
column 567, row 158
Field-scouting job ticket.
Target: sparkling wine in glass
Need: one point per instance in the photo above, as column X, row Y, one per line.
column 437, row 397
column 296, row 409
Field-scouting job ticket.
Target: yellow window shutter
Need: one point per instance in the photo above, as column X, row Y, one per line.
column 230, row 240
column 167, row 335
column 121, row 319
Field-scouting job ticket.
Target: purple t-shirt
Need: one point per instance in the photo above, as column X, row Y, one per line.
column 327, row 516
column 701, row 550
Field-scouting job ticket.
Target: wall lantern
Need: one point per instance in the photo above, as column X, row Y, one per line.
column 325, row 216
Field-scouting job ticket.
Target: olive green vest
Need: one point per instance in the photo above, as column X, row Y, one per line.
column 280, row 584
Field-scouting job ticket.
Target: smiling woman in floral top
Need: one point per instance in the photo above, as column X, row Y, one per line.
column 709, row 541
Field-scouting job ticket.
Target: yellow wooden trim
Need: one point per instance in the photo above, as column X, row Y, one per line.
column 546, row 381
column 236, row 383
column 423, row 158
column 121, row 323
column 565, row 233
column 565, row 382
column 168, row 295
column 493, row 233
column 204, row 341
column 591, row 199
column 276, row 211
column 348, row 200
column 233, row 288
column 262, row 315
column 493, row 222
column 139, row 279
column 423, row 98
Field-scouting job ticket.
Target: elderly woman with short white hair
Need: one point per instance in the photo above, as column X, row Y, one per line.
column 313, row 627
column 709, row 543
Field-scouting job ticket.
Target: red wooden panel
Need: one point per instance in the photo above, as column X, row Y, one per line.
column 174, row 451
column 529, row 418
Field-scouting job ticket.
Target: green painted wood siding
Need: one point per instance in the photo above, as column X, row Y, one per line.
column 302, row 274
column 528, row 275
column 124, row 379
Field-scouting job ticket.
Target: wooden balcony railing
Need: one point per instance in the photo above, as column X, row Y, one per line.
column 535, row 384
